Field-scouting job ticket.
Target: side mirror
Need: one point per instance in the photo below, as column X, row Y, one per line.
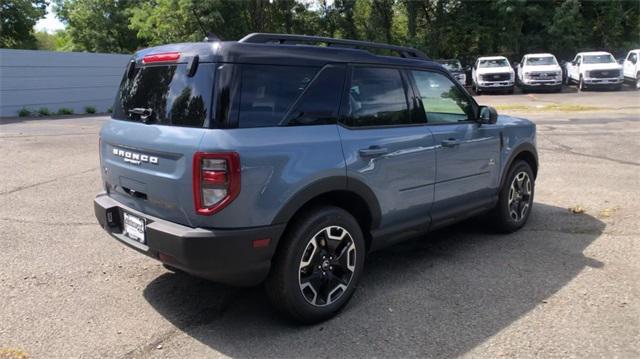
column 488, row 115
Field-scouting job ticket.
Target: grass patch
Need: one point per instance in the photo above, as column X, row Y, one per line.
column 567, row 107
column 65, row 111
column 43, row 111
column 90, row 109
column 24, row 112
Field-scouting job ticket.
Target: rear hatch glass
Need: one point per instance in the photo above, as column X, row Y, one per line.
column 166, row 95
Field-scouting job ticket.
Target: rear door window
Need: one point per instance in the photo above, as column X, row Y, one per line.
column 377, row 97
column 268, row 92
column 166, row 95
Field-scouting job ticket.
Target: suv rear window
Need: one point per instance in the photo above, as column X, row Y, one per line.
column 172, row 97
column 267, row 92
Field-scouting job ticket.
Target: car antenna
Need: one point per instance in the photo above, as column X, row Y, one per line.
column 208, row 35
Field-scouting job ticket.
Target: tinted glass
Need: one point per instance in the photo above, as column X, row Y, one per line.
column 598, row 59
column 319, row 103
column 494, row 63
column 377, row 98
column 544, row 60
column 267, row 92
column 451, row 65
column 168, row 94
column 442, row 99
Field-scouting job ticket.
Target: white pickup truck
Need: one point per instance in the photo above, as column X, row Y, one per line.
column 591, row 69
column 539, row 71
column 492, row 73
column 632, row 67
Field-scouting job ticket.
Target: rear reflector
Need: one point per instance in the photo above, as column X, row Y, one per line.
column 261, row 243
column 161, row 57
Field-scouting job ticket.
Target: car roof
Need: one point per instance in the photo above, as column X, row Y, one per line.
column 280, row 54
column 545, row 54
column 594, row 53
column 492, row 58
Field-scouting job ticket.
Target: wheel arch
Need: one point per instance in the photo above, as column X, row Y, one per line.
column 526, row 152
column 349, row 194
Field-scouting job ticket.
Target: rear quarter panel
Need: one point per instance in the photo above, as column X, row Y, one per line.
column 276, row 162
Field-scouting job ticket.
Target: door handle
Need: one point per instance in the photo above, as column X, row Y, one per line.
column 452, row 142
column 373, row 151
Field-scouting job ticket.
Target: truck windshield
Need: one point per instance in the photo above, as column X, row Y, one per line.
column 599, row 59
column 494, row 63
column 543, row 60
column 451, row 65
column 166, row 95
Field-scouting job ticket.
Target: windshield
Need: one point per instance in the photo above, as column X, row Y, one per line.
column 599, row 59
column 166, row 95
column 544, row 60
column 494, row 63
column 451, row 65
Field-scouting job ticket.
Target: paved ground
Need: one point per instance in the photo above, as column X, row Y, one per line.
column 567, row 285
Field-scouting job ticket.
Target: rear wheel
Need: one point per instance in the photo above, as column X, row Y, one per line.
column 515, row 199
column 318, row 266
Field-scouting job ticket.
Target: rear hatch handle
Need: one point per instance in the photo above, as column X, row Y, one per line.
column 144, row 113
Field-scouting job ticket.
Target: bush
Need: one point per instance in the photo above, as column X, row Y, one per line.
column 90, row 109
column 43, row 111
column 24, row 112
column 109, row 110
column 65, row 111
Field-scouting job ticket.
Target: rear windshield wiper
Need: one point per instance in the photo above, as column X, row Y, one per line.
column 144, row 113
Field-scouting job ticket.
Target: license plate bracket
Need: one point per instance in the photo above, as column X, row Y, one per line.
column 134, row 227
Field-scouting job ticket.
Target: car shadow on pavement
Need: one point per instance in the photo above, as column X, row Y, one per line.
column 439, row 296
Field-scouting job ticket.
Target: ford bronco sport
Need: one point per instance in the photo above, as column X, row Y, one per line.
column 274, row 159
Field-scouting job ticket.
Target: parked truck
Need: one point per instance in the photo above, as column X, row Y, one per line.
column 631, row 68
column 539, row 71
column 492, row 73
column 594, row 69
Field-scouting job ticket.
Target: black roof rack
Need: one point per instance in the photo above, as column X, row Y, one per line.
column 261, row 38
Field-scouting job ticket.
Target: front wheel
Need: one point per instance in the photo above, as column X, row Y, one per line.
column 318, row 266
column 638, row 81
column 581, row 85
column 515, row 199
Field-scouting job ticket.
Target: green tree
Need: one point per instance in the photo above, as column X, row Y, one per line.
column 18, row 19
column 99, row 25
column 566, row 30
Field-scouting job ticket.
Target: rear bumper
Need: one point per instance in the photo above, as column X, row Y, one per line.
column 224, row 256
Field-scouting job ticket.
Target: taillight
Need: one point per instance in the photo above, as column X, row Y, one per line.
column 216, row 180
column 161, row 57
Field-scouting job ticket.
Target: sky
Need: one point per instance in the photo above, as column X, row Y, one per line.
column 50, row 23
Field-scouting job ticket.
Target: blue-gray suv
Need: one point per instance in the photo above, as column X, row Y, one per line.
column 286, row 159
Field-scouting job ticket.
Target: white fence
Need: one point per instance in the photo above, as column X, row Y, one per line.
column 46, row 79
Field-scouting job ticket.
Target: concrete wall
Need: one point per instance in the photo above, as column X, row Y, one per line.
column 34, row 79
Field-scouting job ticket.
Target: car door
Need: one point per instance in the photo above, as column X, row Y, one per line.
column 386, row 146
column 467, row 154
column 574, row 72
column 630, row 64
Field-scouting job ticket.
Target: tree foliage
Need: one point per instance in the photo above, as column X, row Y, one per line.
column 18, row 18
column 441, row 28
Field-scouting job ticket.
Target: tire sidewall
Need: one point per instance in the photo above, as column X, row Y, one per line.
column 507, row 223
column 299, row 237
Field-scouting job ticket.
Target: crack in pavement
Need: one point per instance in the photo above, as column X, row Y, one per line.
column 566, row 149
column 20, row 188
column 26, row 221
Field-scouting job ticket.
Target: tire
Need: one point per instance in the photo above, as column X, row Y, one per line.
column 581, row 85
column 317, row 266
column 514, row 206
column 638, row 81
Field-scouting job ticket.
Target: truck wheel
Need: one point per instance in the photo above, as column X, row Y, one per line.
column 581, row 85
column 515, row 199
column 638, row 81
column 317, row 266
column 477, row 90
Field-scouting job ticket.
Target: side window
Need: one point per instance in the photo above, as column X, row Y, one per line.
column 267, row 92
column 320, row 102
column 377, row 98
column 578, row 60
column 442, row 100
column 633, row 57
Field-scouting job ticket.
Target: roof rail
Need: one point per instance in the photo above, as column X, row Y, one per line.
column 261, row 38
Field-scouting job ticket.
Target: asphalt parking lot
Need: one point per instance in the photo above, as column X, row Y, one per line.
column 567, row 285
